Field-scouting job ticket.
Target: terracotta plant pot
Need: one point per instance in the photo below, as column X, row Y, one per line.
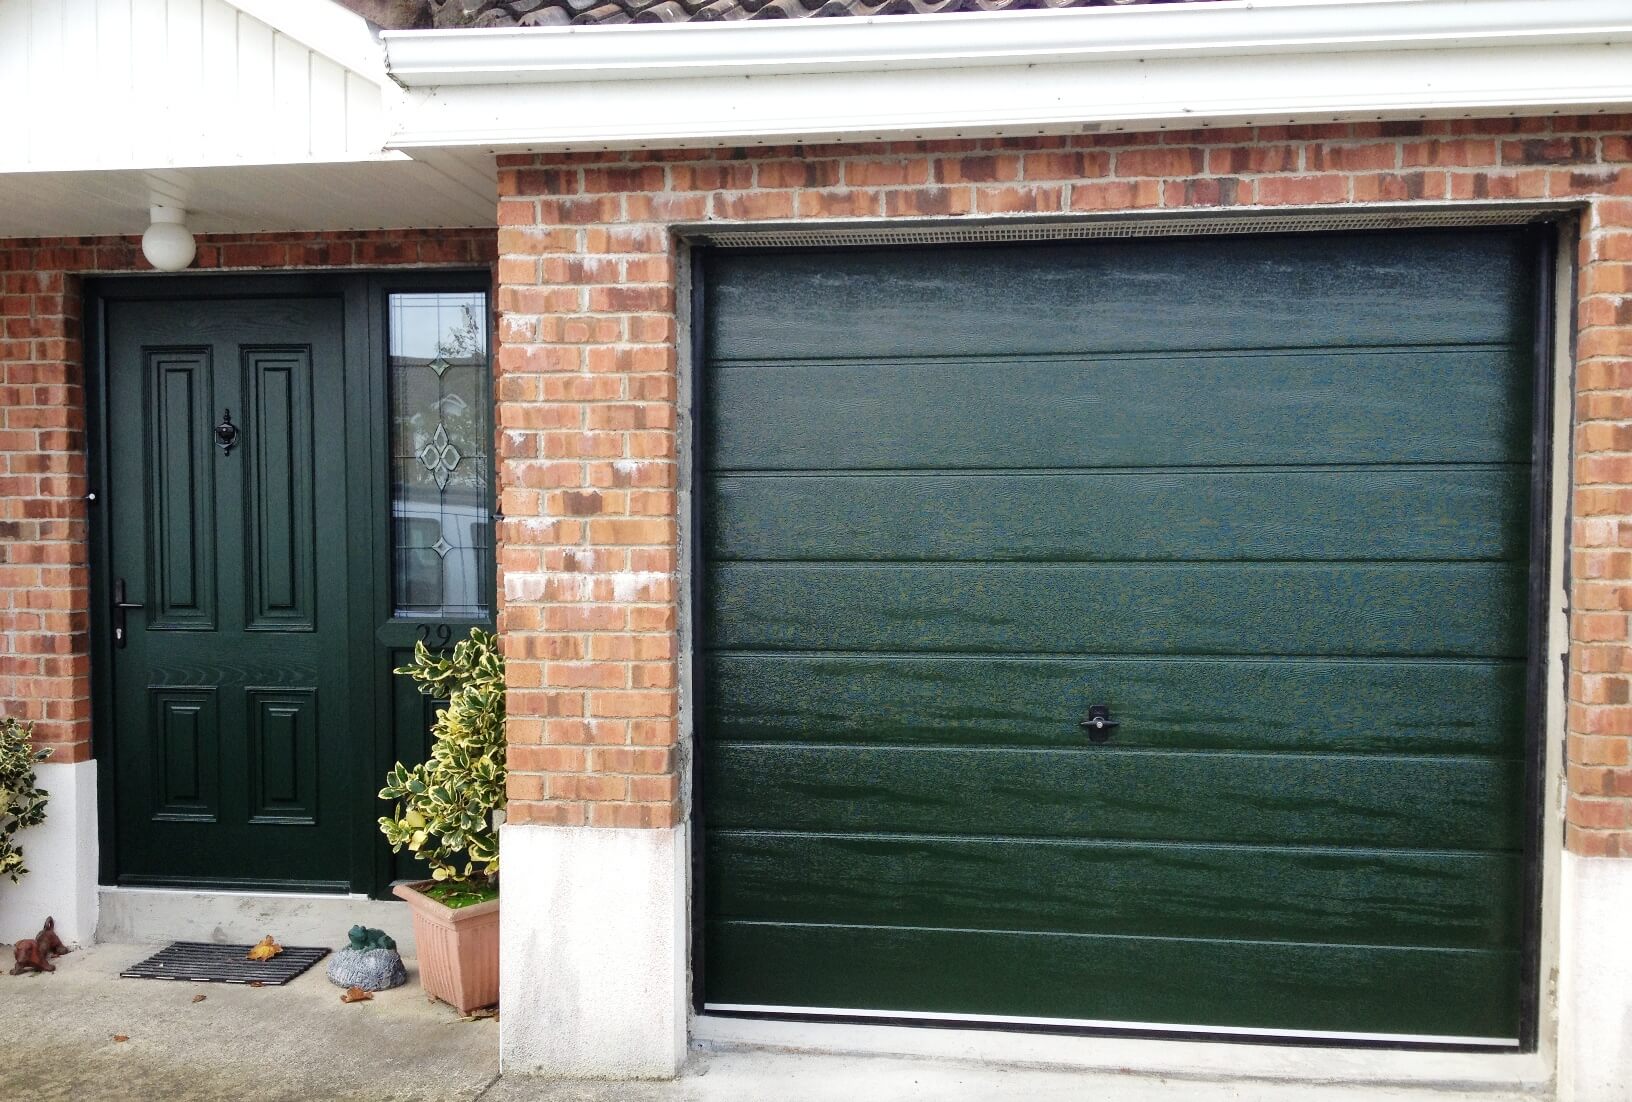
column 458, row 948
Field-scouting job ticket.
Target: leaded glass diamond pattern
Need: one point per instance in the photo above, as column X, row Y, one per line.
column 441, row 427
column 440, row 457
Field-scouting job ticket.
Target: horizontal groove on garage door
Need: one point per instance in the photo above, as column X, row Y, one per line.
column 1156, row 296
column 1410, row 706
column 1148, row 515
column 1102, row 412
column 1132, row 889
column 1269, row 499
column 1300, row 799
column 1448, row 609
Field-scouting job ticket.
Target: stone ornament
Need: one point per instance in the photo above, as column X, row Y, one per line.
column 370, row 962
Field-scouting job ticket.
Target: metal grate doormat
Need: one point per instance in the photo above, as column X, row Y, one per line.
column 202, row 962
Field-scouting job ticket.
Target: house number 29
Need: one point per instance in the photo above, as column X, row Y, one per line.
column 442, row 632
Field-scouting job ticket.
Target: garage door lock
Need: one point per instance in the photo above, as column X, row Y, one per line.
column 1099, row 723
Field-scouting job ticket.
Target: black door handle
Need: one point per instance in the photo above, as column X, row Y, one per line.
column 1099, row 723
column 120, row 607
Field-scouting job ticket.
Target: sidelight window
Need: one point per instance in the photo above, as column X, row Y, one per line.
column 441, row 430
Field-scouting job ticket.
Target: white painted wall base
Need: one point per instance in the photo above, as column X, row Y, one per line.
column 592, row 952
column 61, row 856
column 1595, row 981
column 152, row 915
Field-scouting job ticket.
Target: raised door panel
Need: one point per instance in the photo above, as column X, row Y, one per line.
column 183, row 552
column 185, row 731
column 280, row 581
column 282, row 754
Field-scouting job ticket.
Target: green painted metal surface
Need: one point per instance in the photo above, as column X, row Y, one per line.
column 1267, row 498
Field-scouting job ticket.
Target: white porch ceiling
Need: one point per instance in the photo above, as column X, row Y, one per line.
column 434, row 189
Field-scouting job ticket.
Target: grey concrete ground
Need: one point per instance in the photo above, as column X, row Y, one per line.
column 763, row 1076
column 299, row 1042
column 244, row 1044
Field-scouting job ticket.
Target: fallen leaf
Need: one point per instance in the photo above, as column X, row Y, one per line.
column 355, row 995
column 120, row 1037
column 199, row 998
column 484, row 1012
column 256, row 983
column 265, row 949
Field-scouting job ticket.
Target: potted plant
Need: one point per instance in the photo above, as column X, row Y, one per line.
column 22, row 802
column 447, row 812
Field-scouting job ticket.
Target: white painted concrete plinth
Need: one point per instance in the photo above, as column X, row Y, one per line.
column 592, row 952
column 61, row 857
column 147, row 916
column 1595, row 981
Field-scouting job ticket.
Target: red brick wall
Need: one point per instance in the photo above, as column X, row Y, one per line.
column 44, row 576
column 587, row 365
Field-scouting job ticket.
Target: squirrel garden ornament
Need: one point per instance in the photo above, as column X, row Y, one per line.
column 36, row 953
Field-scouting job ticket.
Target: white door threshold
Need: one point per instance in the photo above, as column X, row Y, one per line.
column 1522, row 1075
column 158, row 915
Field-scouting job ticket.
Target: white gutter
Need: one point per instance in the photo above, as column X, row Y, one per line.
column 636, row 51
column 1012, row 72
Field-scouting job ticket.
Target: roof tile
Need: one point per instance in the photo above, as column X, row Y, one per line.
column 554, row 13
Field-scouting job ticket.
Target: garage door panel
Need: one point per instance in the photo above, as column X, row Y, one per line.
column 1268, row 498
column 1142, row 411
column 1393, row 706
column 1348, row 896
column 1426, row 609
column 1465, row 513
column 1112, row 793
column 1246, row 984
column 1156, row 295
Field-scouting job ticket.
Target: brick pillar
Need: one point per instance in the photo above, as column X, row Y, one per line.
column 1595, row 1053
column 45, row 664
column 594, row 850
column 1599, row 819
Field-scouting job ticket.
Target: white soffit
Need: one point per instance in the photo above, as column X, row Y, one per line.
column 1031, row 72
column 435, row 189
column 142, row 84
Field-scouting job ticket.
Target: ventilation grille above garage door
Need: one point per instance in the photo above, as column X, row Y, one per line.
column 806, row 235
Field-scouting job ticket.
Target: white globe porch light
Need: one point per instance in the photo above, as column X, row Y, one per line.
column 168, row 243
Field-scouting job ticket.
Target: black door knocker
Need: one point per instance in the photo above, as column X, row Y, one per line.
column 1099, row 723
column 226, row 433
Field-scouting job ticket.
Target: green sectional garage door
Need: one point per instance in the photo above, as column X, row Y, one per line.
column 1264, row 500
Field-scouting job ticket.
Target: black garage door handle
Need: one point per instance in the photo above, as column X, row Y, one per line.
column 1099, row 723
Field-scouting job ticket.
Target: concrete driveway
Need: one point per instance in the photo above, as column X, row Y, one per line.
column 299, row 1042
column 240, row 1043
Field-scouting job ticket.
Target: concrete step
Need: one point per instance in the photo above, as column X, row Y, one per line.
column 158, row 915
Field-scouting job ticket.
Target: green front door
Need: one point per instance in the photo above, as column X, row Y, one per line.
column 1263, row 503
column 230, row 684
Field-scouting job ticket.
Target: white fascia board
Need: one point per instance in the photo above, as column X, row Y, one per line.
column 899, row 103
column 1234, row 28
column 339, row 34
